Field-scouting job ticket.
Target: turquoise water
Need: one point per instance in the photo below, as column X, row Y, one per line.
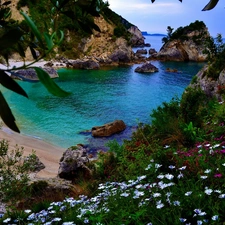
column 98, row 97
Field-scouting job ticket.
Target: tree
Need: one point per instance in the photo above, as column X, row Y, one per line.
column 209, row 6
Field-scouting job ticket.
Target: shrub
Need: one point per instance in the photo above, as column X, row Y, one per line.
column 14, row 172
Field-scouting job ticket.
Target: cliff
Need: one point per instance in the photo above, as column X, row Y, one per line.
column 112, row 44
column 185, row 44
column 212, row 87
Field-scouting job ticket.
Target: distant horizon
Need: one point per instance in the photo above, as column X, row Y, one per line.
column 156, row 17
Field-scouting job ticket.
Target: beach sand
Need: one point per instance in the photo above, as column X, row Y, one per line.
column 47, row 153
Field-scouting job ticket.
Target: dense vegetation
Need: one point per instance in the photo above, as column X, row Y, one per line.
column 75, row 19
column 182, row 33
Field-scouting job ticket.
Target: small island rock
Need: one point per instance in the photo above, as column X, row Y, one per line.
column 146, row 68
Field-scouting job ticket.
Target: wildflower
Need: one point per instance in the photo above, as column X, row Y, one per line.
column 155, row 195
column 149, row 224
column 207, row 145
column 86, row 220
column 188, row 193
column 199, row 212
column 203, row 177
column 216, row 217
column 216, row 146
column 125, row 194
column 182, row 220
column 199, row 222
column 176, row 203
column 182, row 168
column 172, row 167
column 222, row 196
column 180, row 175
column 160, row 176
column 208, row 191
column 199, row 146
column 6, row 220
column 169, row 176
column 56, row 219
column 68, row 223
column 27, row 211
column 141, row 177
column 166, row 146
column 223, row 164
column 207, row 171
column 218, row 175
column 159, row 204
column 157, row 166
column 148, row 167
column 217, row 191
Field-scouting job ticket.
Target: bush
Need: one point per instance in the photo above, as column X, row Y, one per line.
column 14, row 170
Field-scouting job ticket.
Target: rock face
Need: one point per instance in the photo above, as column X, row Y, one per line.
column 146, row 68
column 84, row 64
column 185, row 50
column 73, row 163
column 211, row 87
column 137, row 38
column 108, row 129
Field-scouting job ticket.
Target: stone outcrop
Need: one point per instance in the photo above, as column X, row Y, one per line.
column 211, row 87
column 137, row 39
column 30, row 74
column 141, row 51
column 83, row 64
column 152, row 51
column 108, row 129
column 73, row 163
column 190, row 49
column 146, row 68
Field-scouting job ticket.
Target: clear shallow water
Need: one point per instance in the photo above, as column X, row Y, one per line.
column 97, row 97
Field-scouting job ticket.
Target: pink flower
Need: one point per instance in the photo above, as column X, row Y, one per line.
column 218, row 175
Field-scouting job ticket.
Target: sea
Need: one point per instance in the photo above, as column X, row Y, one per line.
column 98, row 97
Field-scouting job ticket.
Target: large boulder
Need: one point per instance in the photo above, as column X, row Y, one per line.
column 141, row 51
column 108, row 129
column 84, row 64
column 30, row 74
column 73, row 163
column 146, row 68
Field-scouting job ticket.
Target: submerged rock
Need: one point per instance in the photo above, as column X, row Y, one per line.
column 146, row 68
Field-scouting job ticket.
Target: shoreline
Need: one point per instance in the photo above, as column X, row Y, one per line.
column 48, row 154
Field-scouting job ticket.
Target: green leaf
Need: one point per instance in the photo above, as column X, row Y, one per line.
column 11, row 84
column 6, row 114
column 48, row 82
column 33, row 28
column 210, row 5
column 48, row 40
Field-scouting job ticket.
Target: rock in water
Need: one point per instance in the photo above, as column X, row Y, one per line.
column 146, row 68
column 108, row 129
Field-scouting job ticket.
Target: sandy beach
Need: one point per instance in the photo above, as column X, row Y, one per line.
column 47, row 153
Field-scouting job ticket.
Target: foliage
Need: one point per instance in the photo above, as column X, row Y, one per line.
column 14, row 170
column 215, row 50
column 181, row 33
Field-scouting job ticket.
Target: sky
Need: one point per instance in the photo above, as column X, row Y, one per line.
column 155, row 17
